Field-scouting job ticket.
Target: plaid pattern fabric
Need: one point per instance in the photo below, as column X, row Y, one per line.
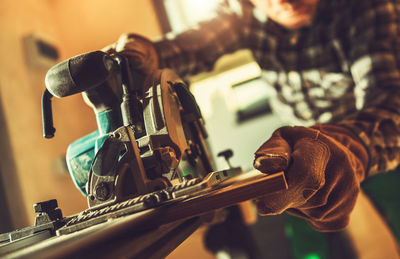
column 341, row 70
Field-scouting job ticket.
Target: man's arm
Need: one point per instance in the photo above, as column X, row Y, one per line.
column 197, row 49
column 326, row 163
column 374, row 55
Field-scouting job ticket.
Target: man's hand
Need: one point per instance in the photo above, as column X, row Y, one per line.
column 324, row 166
column 140, row 51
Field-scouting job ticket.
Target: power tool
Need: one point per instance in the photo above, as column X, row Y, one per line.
column 149, row 135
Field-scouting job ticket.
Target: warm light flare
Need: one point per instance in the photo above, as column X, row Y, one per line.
column 184, row 13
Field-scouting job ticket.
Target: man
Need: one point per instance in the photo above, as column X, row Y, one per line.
column 335, row 63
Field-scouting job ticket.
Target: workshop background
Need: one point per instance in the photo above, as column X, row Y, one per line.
column 32, row 168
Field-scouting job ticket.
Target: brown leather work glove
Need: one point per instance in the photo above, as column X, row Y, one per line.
column 140, row 51
column 324, row 166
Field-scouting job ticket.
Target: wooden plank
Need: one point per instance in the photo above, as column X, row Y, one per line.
column 238, row 189
column 138, row 229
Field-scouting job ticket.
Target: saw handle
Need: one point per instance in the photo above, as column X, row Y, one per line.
column 47, row 115
column 79, row 74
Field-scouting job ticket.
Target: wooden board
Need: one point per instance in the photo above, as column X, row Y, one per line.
column 154, row 232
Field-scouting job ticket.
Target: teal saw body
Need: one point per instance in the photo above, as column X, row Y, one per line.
column 80, row 153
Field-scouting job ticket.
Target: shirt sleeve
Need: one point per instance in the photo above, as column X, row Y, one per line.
column 374, row 54
column 197, row 49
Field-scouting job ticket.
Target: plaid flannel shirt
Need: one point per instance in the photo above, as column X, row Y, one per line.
column 343, row 69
